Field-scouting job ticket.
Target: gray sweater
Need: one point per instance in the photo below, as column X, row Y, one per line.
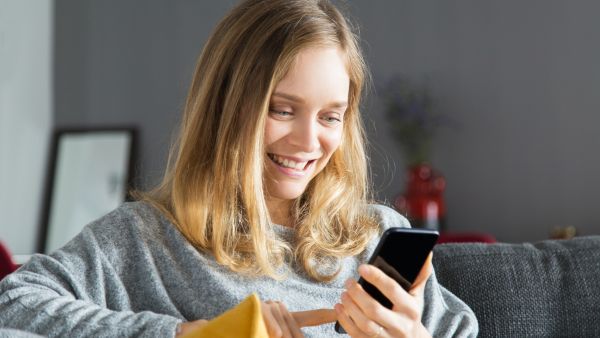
column 131, row 273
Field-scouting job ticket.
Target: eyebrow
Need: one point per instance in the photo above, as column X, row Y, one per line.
column 294, row 98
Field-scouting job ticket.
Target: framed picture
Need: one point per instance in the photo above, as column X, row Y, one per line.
column 89, row 174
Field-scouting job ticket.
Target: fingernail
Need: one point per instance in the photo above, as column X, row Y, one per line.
column 363, row 269
column 348, row 283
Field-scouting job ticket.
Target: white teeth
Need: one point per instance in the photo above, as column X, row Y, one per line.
column 284, row 162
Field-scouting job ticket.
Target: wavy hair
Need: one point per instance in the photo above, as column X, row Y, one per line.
column 213, row 186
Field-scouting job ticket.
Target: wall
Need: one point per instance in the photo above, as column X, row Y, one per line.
column 124, row 63
column 518, row 77
column 25, row 117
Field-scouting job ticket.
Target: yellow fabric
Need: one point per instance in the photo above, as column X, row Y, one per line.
column 244, row 320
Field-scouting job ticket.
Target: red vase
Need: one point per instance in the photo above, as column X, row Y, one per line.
column 423, row 201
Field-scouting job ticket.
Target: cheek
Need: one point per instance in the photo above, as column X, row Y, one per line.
column 331, row 141
column 272, row 133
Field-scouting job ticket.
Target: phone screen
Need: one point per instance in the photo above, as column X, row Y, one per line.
column 401, row 253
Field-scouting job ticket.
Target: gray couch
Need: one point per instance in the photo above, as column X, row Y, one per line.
column 544, row 289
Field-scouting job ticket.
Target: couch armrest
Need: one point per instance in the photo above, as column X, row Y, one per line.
column 549, row 288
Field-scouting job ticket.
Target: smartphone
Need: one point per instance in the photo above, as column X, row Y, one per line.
column 401, row 253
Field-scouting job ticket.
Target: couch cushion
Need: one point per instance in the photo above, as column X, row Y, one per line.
column 550, row 288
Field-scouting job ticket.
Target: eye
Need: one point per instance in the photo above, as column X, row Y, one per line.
column 280, row 114
column 332, row 119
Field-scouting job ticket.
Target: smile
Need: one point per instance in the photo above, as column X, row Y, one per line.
column 291, row 167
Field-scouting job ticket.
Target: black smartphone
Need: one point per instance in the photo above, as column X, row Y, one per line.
column 401, row 253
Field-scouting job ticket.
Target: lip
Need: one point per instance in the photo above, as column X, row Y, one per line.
column 295, row 159
column 294, row 173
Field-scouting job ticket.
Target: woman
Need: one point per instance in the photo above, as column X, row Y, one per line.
column 266, row 192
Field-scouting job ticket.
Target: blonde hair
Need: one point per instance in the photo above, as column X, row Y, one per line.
column 213, row 187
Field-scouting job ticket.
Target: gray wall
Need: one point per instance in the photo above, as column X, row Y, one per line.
column 25, row 117
column 519, row 78
column 129, row 63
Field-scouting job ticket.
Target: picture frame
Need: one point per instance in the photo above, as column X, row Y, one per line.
column 90, row 173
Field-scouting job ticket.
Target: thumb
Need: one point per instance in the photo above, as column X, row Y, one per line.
column 426, row 271
column 314, row 317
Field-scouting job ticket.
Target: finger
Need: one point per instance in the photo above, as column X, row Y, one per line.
column 314, row 317
column 276, row 310
column 403, row 302
column 346, row 322
column 185, row 328
column 370, row 307
column 271, row 323
column 289, row 320
column 362, row 322
column 426, row 271
column 384, row 283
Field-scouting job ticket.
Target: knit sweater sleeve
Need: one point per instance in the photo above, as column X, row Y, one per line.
column 66, row 294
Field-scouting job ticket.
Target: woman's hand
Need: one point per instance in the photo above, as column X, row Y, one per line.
column 363, row 316
column 278, row 320
column 282, row 323
column 186, row 327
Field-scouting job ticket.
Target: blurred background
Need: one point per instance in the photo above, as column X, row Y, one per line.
column 517, row 82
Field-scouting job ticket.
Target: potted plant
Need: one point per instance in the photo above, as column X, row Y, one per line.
column 413, row 122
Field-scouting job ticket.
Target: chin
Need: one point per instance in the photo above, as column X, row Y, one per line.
column 288, row 193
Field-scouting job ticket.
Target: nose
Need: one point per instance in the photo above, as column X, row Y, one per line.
column 305, row 135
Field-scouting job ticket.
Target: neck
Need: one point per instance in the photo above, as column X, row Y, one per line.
column 280, row 211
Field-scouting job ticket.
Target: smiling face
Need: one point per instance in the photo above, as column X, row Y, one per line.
column 305, row 122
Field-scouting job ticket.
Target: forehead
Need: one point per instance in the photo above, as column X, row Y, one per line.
column 317, row 75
